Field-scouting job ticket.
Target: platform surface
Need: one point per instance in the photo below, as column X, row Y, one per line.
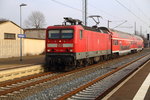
column 11, row 62
column 130, row 88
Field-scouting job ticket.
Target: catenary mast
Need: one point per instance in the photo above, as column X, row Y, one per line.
column 84, row 13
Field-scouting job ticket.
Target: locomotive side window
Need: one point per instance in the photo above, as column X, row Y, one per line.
column 54, row 34
column 66, row 34
column 81, row 34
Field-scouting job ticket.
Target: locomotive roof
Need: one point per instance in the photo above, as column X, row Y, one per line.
column 104, row 30
column 94, row 28
column 120, row 32
column 97, row 29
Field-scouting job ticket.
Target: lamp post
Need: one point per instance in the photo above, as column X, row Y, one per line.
column 21, row 30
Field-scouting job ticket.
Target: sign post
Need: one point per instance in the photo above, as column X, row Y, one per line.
column 21, row 36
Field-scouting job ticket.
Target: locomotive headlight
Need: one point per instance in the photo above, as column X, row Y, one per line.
column 48, row 50
column 71, row 50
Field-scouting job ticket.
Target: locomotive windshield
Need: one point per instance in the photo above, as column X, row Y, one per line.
column 60, row 34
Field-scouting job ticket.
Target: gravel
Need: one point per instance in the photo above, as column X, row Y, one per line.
column 59, row 90
column 101, row 86
column 53, row 89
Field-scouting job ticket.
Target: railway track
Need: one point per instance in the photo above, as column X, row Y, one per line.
column 92, row 90
column 23, row 83
column 54, row 85
column 18, row 84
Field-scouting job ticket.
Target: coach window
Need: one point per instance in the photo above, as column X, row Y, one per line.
column 115, row 42
column 9, row 36
column 81, row 34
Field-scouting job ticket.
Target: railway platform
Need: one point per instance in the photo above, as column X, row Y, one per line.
column 135, row 87
column 15, row 61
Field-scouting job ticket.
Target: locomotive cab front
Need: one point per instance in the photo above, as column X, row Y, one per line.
column 60, row 40
column 60, row 46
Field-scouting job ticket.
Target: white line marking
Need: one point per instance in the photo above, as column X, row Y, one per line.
column 121, row 84
column 143, row 89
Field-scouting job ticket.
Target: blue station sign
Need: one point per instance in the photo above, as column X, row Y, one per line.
column 21, row 36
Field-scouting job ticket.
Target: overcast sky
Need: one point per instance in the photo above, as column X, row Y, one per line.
column 117, row 11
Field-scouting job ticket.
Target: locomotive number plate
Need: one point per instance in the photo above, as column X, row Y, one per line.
column 59, row 45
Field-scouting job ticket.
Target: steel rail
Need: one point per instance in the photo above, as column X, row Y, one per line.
column 46, row 79
column 15, row 81
column 39, row 81
column 116, row 84
column 36, row 82
column 96, row 80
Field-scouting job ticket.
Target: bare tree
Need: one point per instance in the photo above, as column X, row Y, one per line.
column 35, row 20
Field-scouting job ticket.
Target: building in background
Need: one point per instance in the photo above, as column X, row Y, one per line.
column 9, row 42
column 35, row 33
column 33, row 44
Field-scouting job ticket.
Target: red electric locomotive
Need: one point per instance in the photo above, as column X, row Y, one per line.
column 70, row 46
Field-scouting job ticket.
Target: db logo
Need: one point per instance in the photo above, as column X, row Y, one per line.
column 59, row 45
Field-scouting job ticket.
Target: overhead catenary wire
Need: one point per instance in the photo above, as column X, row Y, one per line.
column 100, row 10
column 131, row 11
column 58, row 2
column 104, row 18
column 63, row 4
column 140, row 9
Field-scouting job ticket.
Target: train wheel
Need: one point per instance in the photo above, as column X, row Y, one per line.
column 96, row 59
column 105, row 57
column 85, row 62
column 91, row 61
column 79, row 63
